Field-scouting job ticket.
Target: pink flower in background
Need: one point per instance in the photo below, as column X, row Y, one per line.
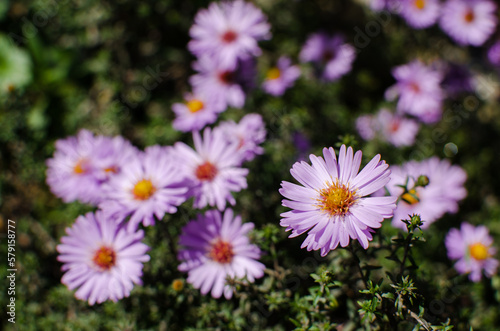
column 419, row 91
column 494, row 54
column 196, row 112
column 420, row 14
column 212, row 168
column 216, row 246
column 151, row 185
column 385, row 125
column 223, row 86
column 247, row 134
column 332, row 56
column 281, row 77
column 441, row 195
column 101, row 259
column 332, row 204
column 473, row 248
column 82, row 163
column 469, row 22
column 228, row 31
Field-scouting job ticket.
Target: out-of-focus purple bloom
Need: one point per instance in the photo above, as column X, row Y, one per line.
column 215, row 247
column 473, row 248
column 223, row 86
column 332, row 204
column 228, row 31
column 248, row 134
column 385, row 125
column 151, row 185
column 101, row 258
column 281, row 77
column 439, row 196
column 212, row 168
column 420, row 14
column 196, row 112
column 419, row 91
column 302, row 145
column 494, row 54
column 469, row 22
column 332, row 56
column 82, row 163
column 457, row 79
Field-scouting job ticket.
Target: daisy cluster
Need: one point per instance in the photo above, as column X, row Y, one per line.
column 334, row 201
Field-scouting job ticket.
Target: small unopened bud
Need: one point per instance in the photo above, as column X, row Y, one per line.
column 422, row 181
column 416, row 221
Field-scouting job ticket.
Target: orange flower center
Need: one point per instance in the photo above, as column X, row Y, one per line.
column 194, row 105
column 143, row 189
column 328, row 55
column 221, row 251
column 227, row 77
column 420, row 4
column 81, row 167
column 229, row 36
column 469, row 16
column 411, row 197
column 104, row 258
column 414, row 87
column 394, row 125
column 478, row 251
column 336, row 199
column 112, row 169
column 273, row 73
column 206, row 171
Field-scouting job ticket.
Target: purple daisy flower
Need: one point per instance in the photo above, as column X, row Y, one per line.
column 419, row 91
column 457, row 79
column 385, row 125
column 82, row 164
column 101, row 259
column 281, row 77
column 494, row 54
column 224, row 86
column 228, row 31
column 332, row 56
column 469, row 22
column 420, row 14
column 441, row 195
column 216, row 246
column 212, row 168
column 332, row 204
column 196, row 113
column 473, row 248
column 151, row 185
column 248, row 134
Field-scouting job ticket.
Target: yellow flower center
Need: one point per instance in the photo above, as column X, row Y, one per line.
column 221, row 251
column 80, row 167
column 112, row 169
column 336, row 199
column 478, row 251
column 273, row 73
column 194, row 105
column 104, row 258
column 420, row 4
column 206, row 171
column 411, row 197
column 143, row 189
column 177, row 285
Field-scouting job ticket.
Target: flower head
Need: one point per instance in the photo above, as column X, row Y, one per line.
column 281, row 77
column 212, row 168
column 441, row 195
column 196, row 112
column 419, row 91
column 332, row 204
column 228, row 31
column 332, row 56
column 101, row 259
column 420, row 14
column 396, row 130
column 216, row 246
column 469, row 22
column 473, row 248
column 151, row 185
column 494, row 54
column 248, row 134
